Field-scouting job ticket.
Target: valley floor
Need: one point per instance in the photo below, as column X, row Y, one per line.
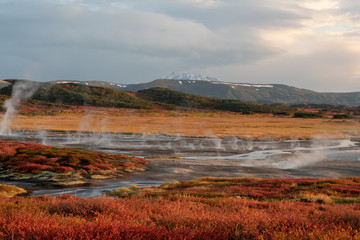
column 192, row 123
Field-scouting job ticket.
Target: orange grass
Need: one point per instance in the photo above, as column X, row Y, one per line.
column 197, row 123
column 10, row 190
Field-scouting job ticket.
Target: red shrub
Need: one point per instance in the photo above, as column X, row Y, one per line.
column 91, row 169
column 62, row 169
column 31, row 167
column 127, row 164
column 259, row 191
column 6, row 150
column 106, row 166
column 81, row 171
column 70, row 217
column 346, row 189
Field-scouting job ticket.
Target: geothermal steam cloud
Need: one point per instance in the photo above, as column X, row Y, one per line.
column 21, row 90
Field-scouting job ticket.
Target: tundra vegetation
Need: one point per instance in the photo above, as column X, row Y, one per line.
column 206, row 208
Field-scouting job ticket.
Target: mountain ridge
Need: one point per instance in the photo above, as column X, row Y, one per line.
column 247, row 92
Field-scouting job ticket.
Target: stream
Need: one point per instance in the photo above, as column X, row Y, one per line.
column 185, row 158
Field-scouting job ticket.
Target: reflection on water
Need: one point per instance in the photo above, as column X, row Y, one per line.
column 95, row 191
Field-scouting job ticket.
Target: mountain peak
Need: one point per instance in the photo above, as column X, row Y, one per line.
column 190, row 76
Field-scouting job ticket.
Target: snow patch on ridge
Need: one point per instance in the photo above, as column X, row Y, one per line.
column 190, row 76
column 233, row 85
column 91, row 83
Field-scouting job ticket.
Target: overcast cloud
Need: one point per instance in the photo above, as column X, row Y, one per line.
column 307, row 44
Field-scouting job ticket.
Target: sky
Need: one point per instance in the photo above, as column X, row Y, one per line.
column 303, row 43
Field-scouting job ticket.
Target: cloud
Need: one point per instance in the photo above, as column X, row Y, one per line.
column 50, row 32
column 137, row 41
column 321, row 70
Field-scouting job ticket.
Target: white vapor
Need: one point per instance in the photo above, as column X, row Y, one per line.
column 21, row 90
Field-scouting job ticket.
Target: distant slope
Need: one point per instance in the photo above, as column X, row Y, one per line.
column 80, row 94
column 170, row 98
column 261, row 93
column 89, row 95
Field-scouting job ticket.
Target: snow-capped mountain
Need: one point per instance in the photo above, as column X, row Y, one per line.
column 190, row 76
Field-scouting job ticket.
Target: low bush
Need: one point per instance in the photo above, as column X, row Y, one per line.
column 307, row 115
column 342, row 116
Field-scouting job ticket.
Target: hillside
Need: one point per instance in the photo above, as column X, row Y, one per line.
column 83, row 94
column 80, row 94
column 171, row 98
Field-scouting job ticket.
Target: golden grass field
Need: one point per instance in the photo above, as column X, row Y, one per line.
column 192, row 123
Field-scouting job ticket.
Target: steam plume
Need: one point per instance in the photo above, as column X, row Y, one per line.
column 21, row 90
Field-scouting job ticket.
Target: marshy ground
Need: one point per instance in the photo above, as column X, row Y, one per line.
column 190, row 146
column 185, row 158
column 191, row 123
